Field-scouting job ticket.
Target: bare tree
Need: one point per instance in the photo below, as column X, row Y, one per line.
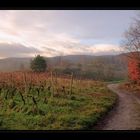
column 131, row 43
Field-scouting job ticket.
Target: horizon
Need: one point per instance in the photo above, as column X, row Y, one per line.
column 51, row 33
column 63, row 56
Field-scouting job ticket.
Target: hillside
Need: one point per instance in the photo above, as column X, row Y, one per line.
column 12, row 64
column 107, row 67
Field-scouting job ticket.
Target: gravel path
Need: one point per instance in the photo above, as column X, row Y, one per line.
column 126, row 113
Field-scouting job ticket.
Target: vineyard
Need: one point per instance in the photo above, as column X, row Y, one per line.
column 47, row 101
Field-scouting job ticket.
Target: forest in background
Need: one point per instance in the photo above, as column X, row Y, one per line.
column 106, row 68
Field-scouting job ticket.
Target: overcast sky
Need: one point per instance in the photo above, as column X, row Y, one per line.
column 62, row 32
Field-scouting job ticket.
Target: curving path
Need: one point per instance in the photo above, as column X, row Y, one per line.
column 126, row 113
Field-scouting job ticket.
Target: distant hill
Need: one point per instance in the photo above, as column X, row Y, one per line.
column 15, row 64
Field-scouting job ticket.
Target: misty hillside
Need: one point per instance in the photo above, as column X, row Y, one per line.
column 15, row 64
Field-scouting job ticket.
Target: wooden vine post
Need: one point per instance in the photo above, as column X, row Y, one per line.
column 52, row 84
column 71, row 83
column 25, row 82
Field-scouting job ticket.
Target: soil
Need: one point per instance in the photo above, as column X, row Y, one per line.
column 126, row 113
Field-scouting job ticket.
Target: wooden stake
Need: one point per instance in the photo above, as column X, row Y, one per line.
column 52, row 83
column 71, row 82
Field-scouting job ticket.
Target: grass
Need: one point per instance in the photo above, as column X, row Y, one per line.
column 116, row 81
column 130, row 86
column 89, row 101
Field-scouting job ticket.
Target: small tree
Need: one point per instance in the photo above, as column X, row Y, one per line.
column 38, row 64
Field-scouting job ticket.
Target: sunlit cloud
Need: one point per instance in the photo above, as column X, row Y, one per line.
column 52, row 32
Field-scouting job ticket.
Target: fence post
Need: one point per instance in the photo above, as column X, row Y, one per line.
column 71, row 82
column 52, row 83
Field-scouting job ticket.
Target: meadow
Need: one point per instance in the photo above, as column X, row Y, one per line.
column 48, row 101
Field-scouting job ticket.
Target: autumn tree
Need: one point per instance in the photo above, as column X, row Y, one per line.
column 131, row 44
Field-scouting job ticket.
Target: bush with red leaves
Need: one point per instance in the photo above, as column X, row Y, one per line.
column 134, row 70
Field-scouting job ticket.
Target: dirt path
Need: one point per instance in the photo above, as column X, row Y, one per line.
column 126, row 113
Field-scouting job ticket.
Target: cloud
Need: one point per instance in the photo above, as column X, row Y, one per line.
column 68, row 48
column 16, row 50
column 53, row 32
column 79, row 23
column 61, row 48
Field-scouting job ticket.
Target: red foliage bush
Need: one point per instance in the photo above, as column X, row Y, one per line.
column 134, row 70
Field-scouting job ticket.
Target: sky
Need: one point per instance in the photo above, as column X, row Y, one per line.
column 26, row 33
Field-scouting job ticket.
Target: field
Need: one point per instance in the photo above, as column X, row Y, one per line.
column 47, row 101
